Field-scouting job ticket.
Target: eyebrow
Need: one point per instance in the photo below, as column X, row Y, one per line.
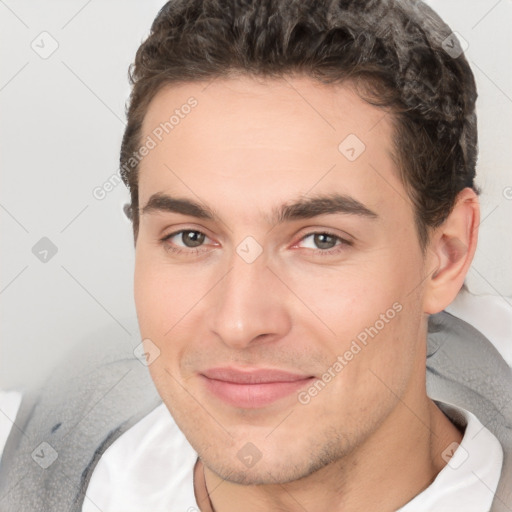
column 303, row 208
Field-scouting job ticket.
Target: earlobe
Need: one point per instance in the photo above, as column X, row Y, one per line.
column 451, row 251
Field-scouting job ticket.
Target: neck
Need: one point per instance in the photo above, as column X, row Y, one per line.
column 394, row 465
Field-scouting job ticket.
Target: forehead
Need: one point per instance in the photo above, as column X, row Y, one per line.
column 257, row 108
column 271, row 137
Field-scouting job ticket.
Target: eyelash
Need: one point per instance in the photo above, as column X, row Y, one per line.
column 192, row 251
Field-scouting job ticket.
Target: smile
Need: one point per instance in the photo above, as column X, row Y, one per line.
column 252, row 389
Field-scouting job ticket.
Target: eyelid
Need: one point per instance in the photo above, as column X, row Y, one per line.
column 172, row 234
column 168, row 232
column 308, row 232
column 340, row 245
column 336, row 250
column 316, row 230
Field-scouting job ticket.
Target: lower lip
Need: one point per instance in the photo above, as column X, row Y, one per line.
column 252, row 396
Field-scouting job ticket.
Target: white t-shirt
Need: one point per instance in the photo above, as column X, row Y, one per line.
column 469, row 480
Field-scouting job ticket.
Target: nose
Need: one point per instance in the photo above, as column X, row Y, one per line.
column 250, row 305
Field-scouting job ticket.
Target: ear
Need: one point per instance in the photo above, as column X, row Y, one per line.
column 451, row 250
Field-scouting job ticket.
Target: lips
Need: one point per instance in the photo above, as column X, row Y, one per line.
column 252, row 388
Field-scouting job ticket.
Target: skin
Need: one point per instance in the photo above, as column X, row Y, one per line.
column 248, row 147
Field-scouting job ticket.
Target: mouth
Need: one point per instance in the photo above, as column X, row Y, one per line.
column 252, row 388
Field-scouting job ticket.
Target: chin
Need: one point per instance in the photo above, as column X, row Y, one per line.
column 275, row 465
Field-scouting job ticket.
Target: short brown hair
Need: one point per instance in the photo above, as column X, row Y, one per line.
column 395, row 52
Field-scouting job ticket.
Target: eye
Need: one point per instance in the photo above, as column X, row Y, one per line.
column 326, row 242
column 190, row 240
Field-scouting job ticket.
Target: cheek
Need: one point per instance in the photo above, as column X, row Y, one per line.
column 371, row 317
column 168, row 296
column 159, row 301
column 153, row 293
column 345, row 301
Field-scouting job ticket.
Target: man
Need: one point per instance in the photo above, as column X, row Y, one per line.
column 303, row 202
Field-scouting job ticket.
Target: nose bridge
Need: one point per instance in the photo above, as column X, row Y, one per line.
column 247, row 301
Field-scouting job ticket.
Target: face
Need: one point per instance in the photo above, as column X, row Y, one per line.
column 275, row 321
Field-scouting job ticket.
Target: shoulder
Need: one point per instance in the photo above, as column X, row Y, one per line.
column 63, row 426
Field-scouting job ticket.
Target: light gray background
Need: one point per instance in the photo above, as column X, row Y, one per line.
column 62, row 119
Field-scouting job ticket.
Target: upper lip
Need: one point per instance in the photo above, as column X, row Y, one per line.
column 252, row 376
